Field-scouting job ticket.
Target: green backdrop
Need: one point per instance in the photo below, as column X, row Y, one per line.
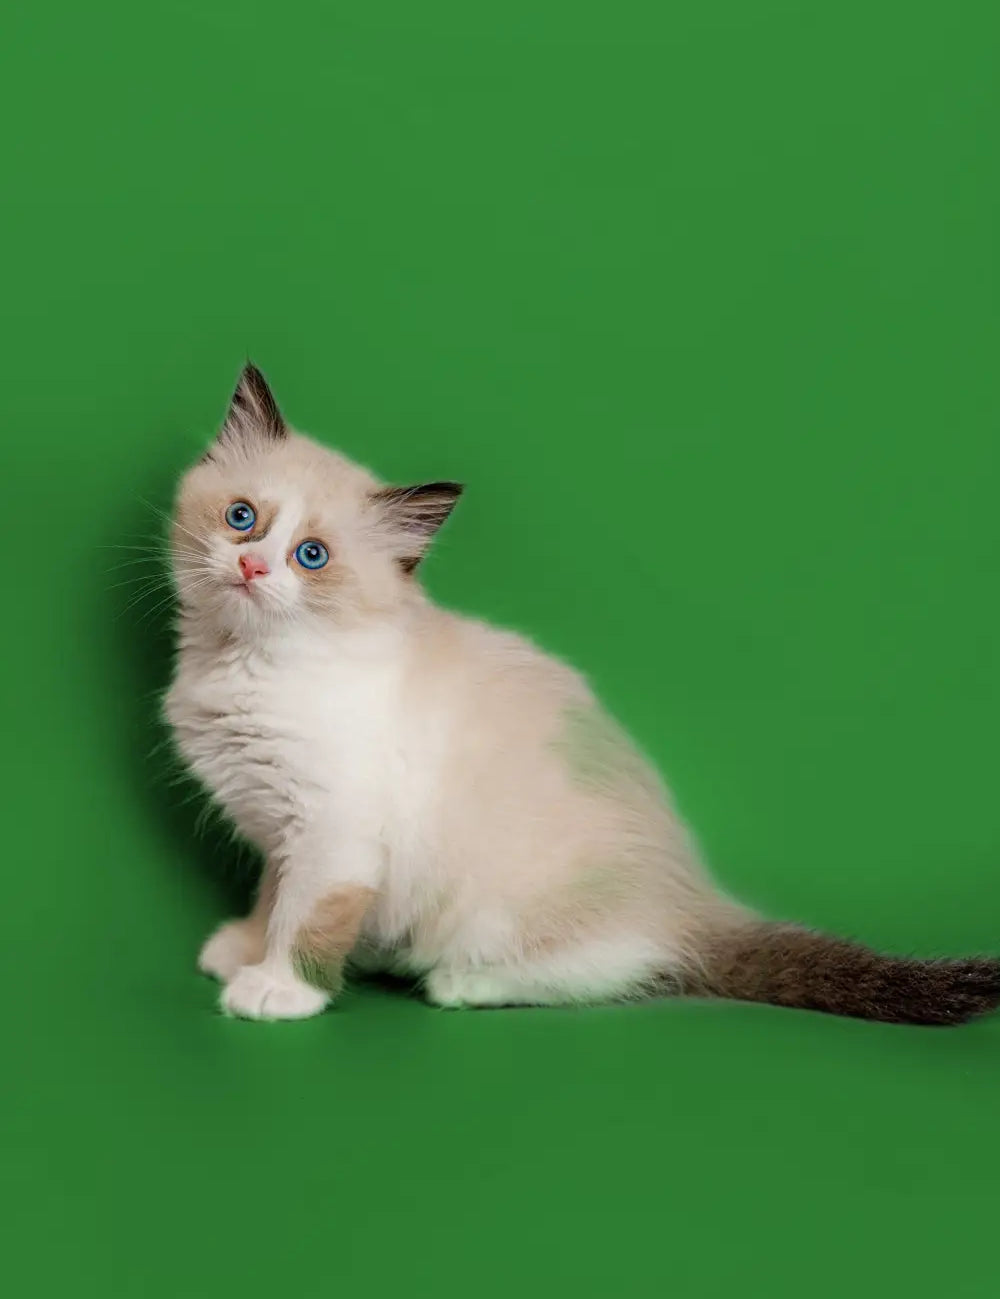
column 700, row 299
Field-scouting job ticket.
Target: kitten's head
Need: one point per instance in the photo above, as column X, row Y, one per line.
column 271, row 527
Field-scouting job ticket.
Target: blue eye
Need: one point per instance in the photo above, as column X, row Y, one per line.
column 241, row 516
column 311, row 554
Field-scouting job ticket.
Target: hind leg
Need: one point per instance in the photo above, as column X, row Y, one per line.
column 607, row 969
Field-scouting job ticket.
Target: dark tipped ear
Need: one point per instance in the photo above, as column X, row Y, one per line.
column 415, row 514
column 253, row 410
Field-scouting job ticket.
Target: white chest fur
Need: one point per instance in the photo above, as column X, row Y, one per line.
column 291, row 736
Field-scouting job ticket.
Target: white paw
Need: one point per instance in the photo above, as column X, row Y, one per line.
column 233, row 945
column 257, row 993
column 456, row 988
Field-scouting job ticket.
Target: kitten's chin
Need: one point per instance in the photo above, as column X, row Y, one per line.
column 244, row 594
column 247, row 605
column 237, row 609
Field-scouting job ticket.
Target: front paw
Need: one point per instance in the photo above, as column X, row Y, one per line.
column 233, row 945
column 257, row 993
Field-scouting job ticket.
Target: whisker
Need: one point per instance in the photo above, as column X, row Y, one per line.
column 148, row 545
column 160, row 578
column 172, row 522
column 154, row 588
column 137, row 599
column 150, row 584
column 160, row 556
column 132, row 563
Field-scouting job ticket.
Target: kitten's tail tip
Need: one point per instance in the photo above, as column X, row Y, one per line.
column 785, row 965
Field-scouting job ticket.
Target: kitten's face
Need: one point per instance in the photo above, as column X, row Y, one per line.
column 270, row 528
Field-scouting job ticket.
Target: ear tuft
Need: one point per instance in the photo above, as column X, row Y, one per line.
column 414, row 514
column 253, row 412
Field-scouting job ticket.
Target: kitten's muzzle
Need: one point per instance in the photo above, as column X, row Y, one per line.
column 252, row 566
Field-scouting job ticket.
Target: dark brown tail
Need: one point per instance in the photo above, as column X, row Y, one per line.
column 788, row 966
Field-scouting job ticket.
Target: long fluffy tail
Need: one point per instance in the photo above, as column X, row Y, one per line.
column 785, row 965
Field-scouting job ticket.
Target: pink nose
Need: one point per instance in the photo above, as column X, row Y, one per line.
column 252, row 566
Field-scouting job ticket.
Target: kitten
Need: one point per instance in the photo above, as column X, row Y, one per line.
column 434, row 797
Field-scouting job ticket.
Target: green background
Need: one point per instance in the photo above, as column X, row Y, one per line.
column 700, row 299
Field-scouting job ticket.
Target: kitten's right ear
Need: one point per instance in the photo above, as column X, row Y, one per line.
column 253, row 412
column 414, row 515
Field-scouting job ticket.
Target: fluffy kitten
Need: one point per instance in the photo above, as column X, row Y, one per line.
column 432, row 796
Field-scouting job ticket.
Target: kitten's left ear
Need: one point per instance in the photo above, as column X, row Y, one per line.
column 414, row 514
column 253, row 410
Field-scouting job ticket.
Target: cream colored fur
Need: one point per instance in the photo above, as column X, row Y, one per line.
column 517, row 848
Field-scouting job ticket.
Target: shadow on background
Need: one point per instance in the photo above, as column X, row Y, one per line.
column 141, row 610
